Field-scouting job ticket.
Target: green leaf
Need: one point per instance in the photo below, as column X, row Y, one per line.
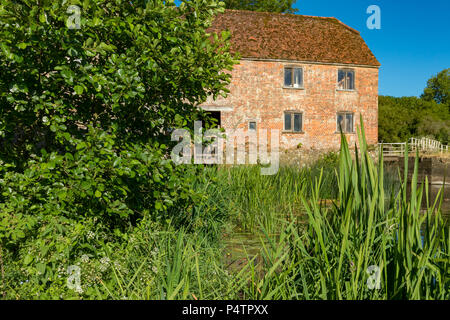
column 79, row 89
column 23, row 45
column 28, row 259
column 43, row 17
column 40, row 267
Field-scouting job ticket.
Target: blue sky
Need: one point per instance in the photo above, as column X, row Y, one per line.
column 412, row 45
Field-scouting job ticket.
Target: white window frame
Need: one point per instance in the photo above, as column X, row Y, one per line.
column 354, row 79
column 292, row 86
column 293, row 112
column 345, row 113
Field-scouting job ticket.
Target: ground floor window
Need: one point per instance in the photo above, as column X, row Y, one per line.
column 345, row 122
column 252, row 125
column 293, row 121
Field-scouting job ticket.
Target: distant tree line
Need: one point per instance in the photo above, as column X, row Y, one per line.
column 406, row 117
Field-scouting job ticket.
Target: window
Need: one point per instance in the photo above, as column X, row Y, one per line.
column 293, row 121
column 293, row 77
column 252, row 125
column 346, row 79
column 345, row 121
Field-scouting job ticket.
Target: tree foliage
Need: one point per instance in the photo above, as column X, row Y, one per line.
column 406, row 117
column 134, row 68
column 84, row 121
column 280, row 6
column 438, row 88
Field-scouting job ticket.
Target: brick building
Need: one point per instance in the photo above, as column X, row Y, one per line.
column 300, row 74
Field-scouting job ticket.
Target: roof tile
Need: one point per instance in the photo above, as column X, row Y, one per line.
column 265, row 35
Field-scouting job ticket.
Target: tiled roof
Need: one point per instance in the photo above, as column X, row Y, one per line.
column 264, row 35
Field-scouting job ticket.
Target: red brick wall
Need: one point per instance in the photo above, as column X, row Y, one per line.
column 257, row 93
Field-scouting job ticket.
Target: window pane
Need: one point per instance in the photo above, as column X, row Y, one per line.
column 351, row 80
column 340, row 122
column 287, row 122
column 341, row 79
column 349, row 122
column 252, row 125
column 297, row 122
column 288, row 77
column 298, row 77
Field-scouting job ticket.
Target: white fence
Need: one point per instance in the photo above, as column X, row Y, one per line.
column 424, row 145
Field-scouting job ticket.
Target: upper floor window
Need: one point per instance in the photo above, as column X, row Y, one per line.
column 346, row 79
column 345, row 122
column 293, row 121
column 252, row 125
column 293, row 77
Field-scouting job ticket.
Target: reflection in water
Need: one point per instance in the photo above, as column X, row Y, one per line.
column 433, row 193
column 431, row 169
column 242, row 247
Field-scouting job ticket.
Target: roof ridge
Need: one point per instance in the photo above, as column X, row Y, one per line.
column 347, row 26
column 297, row 15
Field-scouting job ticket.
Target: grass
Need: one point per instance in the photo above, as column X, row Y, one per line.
column 372, row 241
column 343, row 228
column 252, row 200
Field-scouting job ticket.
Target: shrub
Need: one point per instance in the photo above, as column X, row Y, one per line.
column 84, row 126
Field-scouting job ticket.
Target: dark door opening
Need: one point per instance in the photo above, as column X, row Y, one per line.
column 215, row 115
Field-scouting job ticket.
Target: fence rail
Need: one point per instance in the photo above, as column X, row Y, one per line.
column 424, row 145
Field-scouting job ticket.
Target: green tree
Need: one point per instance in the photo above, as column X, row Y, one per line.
column 402, row 118
column 396, row 121
column 86, row 108
column 137, row 68
column 281, row 6
column 438, row 88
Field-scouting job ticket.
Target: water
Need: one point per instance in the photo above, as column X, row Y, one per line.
column 445, row 208
column 241, row 247
column 433, row 170
column 244, row 246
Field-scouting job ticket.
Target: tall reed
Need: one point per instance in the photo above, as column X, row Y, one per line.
column 366, row 246
column 374, row 242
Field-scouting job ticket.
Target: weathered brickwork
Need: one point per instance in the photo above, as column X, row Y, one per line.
column 257, row 93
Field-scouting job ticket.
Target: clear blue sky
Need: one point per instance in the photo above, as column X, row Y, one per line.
column 412, row 45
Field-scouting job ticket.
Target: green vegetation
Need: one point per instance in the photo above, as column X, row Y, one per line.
column 281, row 6
column 438, row 88
column 84, row 121
column 91, row 207
column 406, row 117
column 252, row 200
column 309, row 248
